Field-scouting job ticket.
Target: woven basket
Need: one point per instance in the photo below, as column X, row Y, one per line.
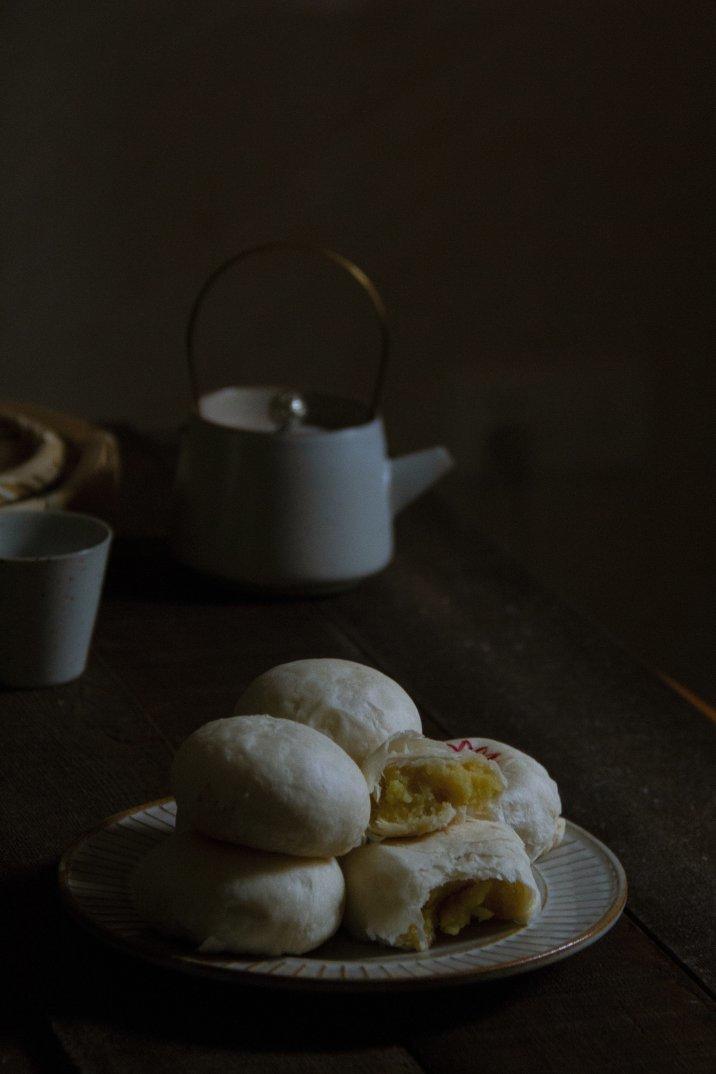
column 50, row 460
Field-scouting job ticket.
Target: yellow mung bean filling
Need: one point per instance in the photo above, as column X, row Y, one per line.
column 415, row 791
column 452, row 906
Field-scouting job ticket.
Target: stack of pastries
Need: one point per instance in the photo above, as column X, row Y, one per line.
column 320, row 802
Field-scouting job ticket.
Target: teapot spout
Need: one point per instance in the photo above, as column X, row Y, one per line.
column 411, row 475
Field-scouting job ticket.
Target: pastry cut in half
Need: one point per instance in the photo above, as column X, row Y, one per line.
column 229, row 898
column 530, row 802
column 270, row 784
column 406, row 893
column 419, row 785
column 355, row 705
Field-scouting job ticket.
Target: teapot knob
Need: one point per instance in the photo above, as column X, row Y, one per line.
column 288, row 409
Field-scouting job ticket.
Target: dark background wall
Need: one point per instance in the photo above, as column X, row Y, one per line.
column 525, row 182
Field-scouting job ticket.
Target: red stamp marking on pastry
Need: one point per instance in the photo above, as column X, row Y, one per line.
column 466, row 744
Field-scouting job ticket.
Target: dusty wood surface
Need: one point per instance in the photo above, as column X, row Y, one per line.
column 482, row 650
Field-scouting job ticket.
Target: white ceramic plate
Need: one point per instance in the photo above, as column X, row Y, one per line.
column 583, row 892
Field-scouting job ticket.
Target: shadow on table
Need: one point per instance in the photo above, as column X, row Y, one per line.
column 143, row 569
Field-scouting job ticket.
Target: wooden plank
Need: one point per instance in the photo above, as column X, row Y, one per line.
column 187, row 646
column 21, row 1058
column 194, row 658
column 112, row 1051
column 620, row 1006
column 72, row 755
column 483, row 650
column 690, row 696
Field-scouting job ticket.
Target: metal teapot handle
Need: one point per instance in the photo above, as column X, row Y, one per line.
column 269, row 247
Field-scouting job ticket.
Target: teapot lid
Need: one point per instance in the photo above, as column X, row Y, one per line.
column 283, row 409
column 280, row 410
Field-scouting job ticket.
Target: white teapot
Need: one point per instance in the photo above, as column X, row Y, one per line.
column 289, row 492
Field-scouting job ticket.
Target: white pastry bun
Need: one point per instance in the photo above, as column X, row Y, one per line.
column 225, row 898
column 419, row 785
column 406, row 892
column 356, row 706
column 530, row 802
column 271, row 784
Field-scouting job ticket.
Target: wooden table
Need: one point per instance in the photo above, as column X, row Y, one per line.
column 481, row 649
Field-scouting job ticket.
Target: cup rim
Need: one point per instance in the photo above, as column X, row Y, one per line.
column 106, row 535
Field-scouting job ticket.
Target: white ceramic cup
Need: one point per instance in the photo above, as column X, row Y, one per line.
column 52, row 566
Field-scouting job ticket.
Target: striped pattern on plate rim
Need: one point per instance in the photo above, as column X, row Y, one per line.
column 583, row 887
